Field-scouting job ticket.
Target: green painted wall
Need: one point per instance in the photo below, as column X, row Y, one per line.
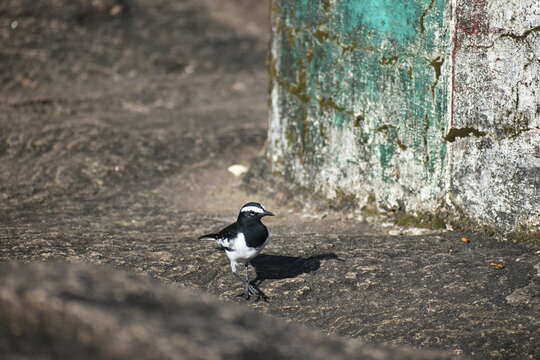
column 371, row 69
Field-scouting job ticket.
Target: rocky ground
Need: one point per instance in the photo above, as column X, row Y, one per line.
column 118, row 121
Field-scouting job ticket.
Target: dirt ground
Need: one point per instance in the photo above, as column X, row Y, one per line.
column 118, row 121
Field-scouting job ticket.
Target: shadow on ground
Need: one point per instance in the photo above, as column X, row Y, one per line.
column 277, row 267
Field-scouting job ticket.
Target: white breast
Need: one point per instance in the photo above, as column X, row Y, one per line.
column 240, row 252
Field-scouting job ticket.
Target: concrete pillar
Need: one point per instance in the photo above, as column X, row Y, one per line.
column 423, row 106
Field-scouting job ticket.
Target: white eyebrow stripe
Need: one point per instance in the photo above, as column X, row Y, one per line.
column 252, row 208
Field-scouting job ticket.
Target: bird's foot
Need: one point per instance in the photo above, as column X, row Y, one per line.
column 252, row 290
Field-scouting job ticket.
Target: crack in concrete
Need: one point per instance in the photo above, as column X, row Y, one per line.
column 436, row 64
column 530, row 62
column 484, row 47
column 513, row 133
column 524, row 35
column 423, row 16
column 516, row 37
column 454, row 133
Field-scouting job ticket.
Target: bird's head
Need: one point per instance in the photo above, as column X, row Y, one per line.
column 253, row 211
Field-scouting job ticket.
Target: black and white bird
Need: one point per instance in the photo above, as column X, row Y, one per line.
column 243, row 241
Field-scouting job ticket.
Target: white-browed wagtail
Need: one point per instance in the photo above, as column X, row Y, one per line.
column 243, row 241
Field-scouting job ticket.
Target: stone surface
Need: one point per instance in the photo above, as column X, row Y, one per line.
column 76, row 311
column 116, row 153
column 428, row 107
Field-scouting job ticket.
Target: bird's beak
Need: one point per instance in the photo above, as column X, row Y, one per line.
column 268, row 213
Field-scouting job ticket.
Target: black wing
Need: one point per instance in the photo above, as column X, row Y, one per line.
column 223, row 237
column 228, row 232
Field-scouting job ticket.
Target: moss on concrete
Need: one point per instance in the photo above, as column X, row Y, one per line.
column 260, row 178
column 436, row 64
column 422, row 220
column 344, row 200
column 526, row 236
column 298, row 89
column 358, row 120
column 421, row 20
column 388, row 60
column 455, row 133
column 401, row 145
column 370, row 208
column 329, row 104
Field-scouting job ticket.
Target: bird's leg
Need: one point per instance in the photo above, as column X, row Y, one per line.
column 247, row 293
column 247, row 280
column 250, row 288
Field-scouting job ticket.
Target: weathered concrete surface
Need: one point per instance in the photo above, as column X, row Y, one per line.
column 429, row 106
column 63, row 311
column 116, row 153
column 495, row 172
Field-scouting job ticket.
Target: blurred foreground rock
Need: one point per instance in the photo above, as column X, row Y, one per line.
column 81, row 311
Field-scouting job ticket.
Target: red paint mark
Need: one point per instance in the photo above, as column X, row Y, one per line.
column 453, row 90
column 471, row 19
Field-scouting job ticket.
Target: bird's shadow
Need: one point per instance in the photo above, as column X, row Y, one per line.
column 276, row 267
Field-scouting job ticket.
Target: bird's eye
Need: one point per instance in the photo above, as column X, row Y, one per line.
column 251, row 213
